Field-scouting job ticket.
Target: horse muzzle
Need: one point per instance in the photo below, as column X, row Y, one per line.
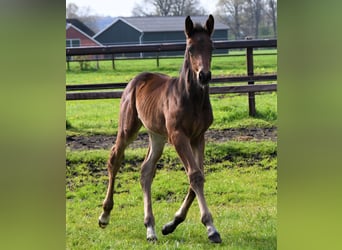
column 204, row 77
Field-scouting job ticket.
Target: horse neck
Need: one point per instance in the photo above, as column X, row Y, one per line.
column 189, row 83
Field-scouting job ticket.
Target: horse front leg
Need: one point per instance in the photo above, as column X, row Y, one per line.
column 192, row 158
column 198, row 146
column 180, row 215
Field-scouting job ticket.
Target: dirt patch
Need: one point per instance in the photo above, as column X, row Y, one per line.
column 76, row 142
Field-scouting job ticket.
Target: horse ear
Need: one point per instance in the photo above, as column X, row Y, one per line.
column 189, row 26
column 209, row 25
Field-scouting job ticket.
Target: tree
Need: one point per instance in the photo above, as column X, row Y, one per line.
column 248, row 18
column 162, row 7
column 272, row 13
column 141, row 10
column 71, row 11
column 168, row 8
column 187, row 8
column 256, row 8
column 230, row 13
column 84, row 14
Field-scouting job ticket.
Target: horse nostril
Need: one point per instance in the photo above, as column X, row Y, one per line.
column 204, row 77
column 201, row 75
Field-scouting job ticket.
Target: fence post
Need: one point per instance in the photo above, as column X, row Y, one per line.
column 113, row 63
column 97, row 62
column 250, row 72
column 68, row 62
column 157, row 59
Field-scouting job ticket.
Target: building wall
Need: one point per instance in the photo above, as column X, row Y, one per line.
column 119, row 33
column 163, row 37
column 220, row 35
column 179, row 36
column 71, row 33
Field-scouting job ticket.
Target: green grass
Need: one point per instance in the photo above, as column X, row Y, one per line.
column 241, row 201
column 101, row 116
column 127, row 69
column 240, row 192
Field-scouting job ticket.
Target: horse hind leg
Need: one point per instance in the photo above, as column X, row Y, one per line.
column 129, row 125
column 148, row 170
column 113, row 165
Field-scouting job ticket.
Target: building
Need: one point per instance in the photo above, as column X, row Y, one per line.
column 146, row 30
column 79, row 35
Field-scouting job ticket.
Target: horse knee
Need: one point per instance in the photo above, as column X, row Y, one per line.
column 196, row 179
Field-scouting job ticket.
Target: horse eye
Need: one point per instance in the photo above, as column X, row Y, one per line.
column 191, row 49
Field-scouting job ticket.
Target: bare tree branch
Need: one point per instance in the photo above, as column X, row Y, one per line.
column 169, row 8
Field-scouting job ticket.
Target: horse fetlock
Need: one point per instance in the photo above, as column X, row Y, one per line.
column 149, row 221
column 168, row 228
column 178, row 219
column 108, row 206
column 207, row 219
column 172, row 225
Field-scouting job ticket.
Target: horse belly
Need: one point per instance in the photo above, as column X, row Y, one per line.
column 152, row 120
column 149, row 104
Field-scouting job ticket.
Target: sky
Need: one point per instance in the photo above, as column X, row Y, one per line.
column 117, row 8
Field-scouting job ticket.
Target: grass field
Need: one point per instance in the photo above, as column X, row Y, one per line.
column 100, row 116
column 127, row 69
column 241, row 193
column 241, row 177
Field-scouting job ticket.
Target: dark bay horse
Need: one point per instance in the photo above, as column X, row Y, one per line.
column 176, row 110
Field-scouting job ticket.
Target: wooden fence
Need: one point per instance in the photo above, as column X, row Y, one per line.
column 87, row 91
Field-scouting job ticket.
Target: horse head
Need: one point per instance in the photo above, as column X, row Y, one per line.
column 199, row 49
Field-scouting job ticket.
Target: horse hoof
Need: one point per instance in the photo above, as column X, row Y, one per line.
column 151, row 235
column 152, row 239
column 215, row 237
column 103, row 221
column 102, row 224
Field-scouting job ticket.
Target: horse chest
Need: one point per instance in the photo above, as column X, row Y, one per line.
column 201, row 122
column 194, row 120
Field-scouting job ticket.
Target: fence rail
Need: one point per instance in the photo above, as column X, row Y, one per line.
column 161, row 47
column 213, row 90
column 101, row 86
column 250, row 78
